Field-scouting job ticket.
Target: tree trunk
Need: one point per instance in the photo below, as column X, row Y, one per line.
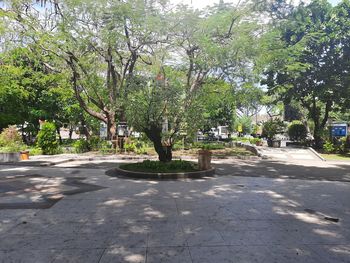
column 84, row 128
column 164, row 152
column 317, row 134
column 59, row 134
column 111, row 128
column 70, row 133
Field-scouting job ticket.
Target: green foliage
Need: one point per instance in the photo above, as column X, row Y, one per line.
column 297, row 131
column 216, row 104
column 246, row 123
column 47, row 140
column 94, row 143
column 272, row 127
column 312, row 43
column 160, row 167
column 81, row 146
column 136, row 146
column 255, row 140
column 328, row 147
column 11, row 140
column 35, row 151
column 129, row 147
column 106, row 147
column 209, row 146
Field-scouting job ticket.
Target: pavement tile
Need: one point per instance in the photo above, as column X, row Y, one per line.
column 78, row 256
column 123, row 255
column 168, row 255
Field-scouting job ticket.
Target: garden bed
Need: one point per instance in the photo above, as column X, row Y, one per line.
column 177, row 169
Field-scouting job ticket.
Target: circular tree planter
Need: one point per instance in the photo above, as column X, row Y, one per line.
column 117, row 172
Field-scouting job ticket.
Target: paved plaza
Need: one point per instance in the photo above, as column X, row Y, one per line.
column 252, row 211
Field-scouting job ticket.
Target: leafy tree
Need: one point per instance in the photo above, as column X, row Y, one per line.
column 308, row 62
column 99, row 47
column 217, row 103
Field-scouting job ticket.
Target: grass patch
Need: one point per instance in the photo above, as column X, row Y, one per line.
column 336, row 156
column 176, row 166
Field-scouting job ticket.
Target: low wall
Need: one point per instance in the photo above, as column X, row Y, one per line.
column 9, row 157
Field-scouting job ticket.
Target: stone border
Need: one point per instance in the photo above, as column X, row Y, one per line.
column 316, row 153
column 117, row 172
column 10, row 157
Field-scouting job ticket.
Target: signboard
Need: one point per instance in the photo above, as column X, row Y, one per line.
column 339, row 130
column 240, row 128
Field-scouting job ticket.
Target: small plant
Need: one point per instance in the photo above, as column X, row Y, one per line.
column 35, row 151
column 106, row 147
column 11, row 140
column 256, row 141
column 130, row 147
column 47, row 140
column 81, row 146
column 328, row 147
column 297, row 131
column 94, row 143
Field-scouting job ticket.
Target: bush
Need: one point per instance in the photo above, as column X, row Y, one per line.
column 94, row 143
column 35, row 151
column 255, row 140
column 106, row 147
column 46, row 139
column 81, row 146
column 297, row 131
column 328, row 147
column 129, row 147
column 271, row 128
column 11, row 140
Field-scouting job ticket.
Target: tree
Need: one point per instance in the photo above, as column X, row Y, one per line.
column 308, row 64
column 100, row 50
column 217, row 104
column 207, row 48
column 30, row 91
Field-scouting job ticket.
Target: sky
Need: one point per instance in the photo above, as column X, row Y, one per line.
column 203, row 3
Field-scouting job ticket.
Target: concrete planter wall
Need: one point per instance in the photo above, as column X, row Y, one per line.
column 10, row 157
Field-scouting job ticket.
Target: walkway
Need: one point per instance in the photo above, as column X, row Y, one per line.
column 223, row 219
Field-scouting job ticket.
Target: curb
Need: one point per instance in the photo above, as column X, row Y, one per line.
column 117, row 172
column 317, row 154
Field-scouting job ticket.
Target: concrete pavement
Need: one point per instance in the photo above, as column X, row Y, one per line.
column 223, row 219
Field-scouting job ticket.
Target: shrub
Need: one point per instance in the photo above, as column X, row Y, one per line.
column 328, row 147
column 129, row 146
column 272, row 127
column 94, row 143
column 106, row 147
column 81, row 146
column 11, row 140
column 35, row 151
column 297, row 131
column 46, row 139
column 255, row 140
